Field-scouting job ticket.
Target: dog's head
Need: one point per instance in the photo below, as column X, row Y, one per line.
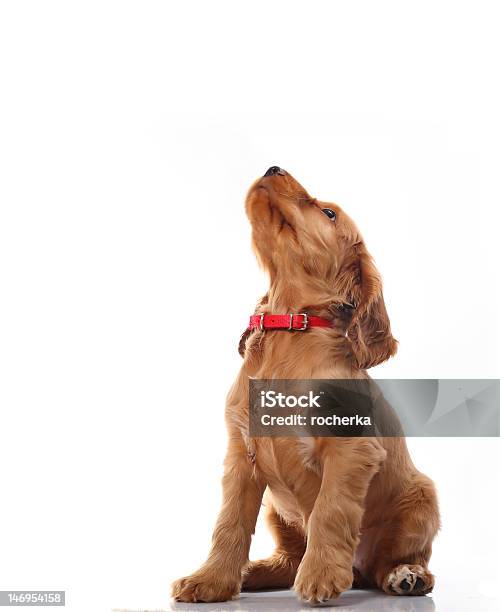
column 314, row 249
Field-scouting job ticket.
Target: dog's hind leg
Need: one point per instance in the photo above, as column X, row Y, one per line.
column 403, row 544
column 278, row 570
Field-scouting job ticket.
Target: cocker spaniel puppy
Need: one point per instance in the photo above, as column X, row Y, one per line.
column 343, row 511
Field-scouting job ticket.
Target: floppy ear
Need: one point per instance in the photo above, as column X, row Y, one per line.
column 370, row 328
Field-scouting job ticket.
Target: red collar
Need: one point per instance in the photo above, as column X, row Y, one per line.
column 289, row 322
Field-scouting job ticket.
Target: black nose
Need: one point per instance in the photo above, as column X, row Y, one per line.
column 274, row 170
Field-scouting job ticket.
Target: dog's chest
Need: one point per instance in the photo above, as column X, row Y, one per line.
column 290, row 468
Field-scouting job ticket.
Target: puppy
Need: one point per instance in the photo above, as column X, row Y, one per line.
column 343, row 511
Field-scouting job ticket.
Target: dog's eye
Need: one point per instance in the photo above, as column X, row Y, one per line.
column 331, row 214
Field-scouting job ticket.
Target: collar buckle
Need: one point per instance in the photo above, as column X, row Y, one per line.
column 305, row 323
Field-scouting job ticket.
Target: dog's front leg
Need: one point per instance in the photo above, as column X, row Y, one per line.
column 348, row 465
column 219, row 578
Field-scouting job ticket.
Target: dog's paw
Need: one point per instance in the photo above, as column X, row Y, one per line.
column 317, row 582
column 408, row 580
column 204, row 587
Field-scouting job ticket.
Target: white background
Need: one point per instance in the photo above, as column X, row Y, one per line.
column 129, row 134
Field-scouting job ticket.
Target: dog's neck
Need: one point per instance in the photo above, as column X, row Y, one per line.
column 316, row 353
column 287, row 295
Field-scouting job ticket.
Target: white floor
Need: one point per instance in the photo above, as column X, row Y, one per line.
column 369, row 601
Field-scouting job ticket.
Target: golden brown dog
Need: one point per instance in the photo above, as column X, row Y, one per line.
column 343, row 511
